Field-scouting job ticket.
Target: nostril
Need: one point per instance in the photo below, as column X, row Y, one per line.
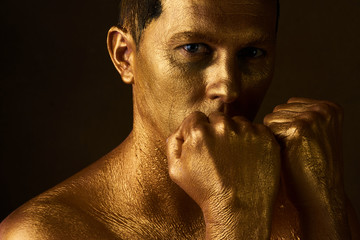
column 225, row 98
column 226, row 91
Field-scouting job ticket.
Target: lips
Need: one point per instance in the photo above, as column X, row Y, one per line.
column 230, row 110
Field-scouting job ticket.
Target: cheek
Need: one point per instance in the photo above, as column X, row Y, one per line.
column 259, row 74
column 165, row 95
column 184, row 95
column 256, row 79
column 162, row 76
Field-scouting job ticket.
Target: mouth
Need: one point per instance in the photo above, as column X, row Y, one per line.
column 228, row 109
column 236, row 108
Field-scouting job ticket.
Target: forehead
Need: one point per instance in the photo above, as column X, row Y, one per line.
column 228, row 17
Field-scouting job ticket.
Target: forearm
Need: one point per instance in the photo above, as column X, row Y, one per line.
column 231, row 223
column 325, row 222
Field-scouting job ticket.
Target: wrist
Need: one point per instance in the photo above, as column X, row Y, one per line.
column 231, row 220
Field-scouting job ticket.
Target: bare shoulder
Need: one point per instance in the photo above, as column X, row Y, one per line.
column 49, row 218
column 62, row 212
column 81, row 207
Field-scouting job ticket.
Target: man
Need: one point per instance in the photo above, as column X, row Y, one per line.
column 194, row 165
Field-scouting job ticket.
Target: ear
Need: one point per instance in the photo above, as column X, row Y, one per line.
column 121, row 48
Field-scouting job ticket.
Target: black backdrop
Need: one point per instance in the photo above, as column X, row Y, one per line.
column 63, row 105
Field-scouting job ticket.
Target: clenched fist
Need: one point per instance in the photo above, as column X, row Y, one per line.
column 309, row 132
column 231, row 168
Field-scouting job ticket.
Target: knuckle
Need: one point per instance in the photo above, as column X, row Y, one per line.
column 337, row 110
column 196, row 117
column 323, row 108
column 221, row 125
column 297, row 128
column 241, row 122
column 334, row 105
column 168, row 146
column 172, row 137
column 279, row 107
column 245, row 127
column 293, row 132
column 194, row 124
column 174, row 173
column 293, row 99
column 193, row 117
column 240, row 119
column 328, row 106
column 199, row 115
column 268, row 119
column 220, row 122
column 328, row 111
column 198, row 132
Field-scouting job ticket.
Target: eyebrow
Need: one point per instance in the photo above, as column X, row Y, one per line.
column 245, row 38
column 183, row 36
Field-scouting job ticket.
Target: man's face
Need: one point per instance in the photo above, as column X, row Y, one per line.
column 204, row 55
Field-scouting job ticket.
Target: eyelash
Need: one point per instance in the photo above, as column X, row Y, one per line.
column 251, row 52
column 247, row 52
column 205, row 48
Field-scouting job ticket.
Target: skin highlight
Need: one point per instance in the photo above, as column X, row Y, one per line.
column 195, row 166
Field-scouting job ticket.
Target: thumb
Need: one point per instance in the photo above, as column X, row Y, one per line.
column 174, row 147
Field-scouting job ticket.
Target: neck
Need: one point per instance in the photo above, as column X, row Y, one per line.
column 147, row 171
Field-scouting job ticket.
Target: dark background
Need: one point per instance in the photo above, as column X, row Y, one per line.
column 63, row 105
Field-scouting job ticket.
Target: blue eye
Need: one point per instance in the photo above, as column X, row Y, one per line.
column 195, row 48
column 192, row 48
column 251, row 52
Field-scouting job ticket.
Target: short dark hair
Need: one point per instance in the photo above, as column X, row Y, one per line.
column 135, row 15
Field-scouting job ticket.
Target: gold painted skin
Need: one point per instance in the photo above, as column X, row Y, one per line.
column 228, row 166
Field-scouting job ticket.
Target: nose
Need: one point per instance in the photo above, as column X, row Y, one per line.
column 223, row 81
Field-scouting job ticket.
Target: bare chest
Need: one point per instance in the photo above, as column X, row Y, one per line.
column 285, row 226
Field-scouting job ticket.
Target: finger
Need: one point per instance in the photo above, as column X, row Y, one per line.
column 284, row 130
column 293, row 107
column 174, row 150
column 219, row 121
column 336, row 106
column 280, row 117
column 215, row 117
column 328, row 110
column 240, row 119
column 302, row 100
column 320, row 110
column 195, row 121
column 325, row 110
column 174, row 147
column 242, row 123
